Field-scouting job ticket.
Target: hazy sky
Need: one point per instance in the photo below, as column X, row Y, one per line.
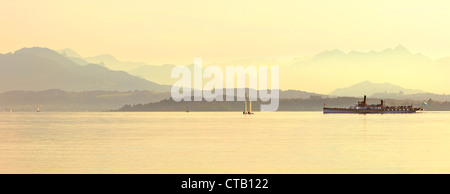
column 169, row 31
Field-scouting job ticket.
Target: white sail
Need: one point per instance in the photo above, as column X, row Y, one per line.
column 250, row 108
column 245, row 104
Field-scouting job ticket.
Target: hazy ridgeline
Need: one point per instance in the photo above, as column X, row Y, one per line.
column 324, row 72
column 36, row 69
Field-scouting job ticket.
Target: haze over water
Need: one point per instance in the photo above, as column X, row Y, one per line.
column 224, row 142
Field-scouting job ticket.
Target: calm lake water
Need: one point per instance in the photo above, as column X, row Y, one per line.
column 224, row 142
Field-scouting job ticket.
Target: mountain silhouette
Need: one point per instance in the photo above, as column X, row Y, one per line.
column 322, row 73
column 112, row 63
column 333, row 69
column 41, row 69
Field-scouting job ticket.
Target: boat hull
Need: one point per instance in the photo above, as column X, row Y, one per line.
column 367, row 111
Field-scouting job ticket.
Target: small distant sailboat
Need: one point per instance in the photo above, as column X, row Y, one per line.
column 249, row 112
column 39, row 109
column 187, row 108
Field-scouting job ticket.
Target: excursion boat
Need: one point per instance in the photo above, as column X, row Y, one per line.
column 363, row 108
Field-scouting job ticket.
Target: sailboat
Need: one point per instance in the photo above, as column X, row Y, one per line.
column 38, row 110
column 245, row 107
column 187, row 108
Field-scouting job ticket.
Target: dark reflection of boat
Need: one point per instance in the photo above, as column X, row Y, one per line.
column 364, row 108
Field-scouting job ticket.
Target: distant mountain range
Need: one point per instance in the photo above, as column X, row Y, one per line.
column 41, row 69
column 112, row 63
column 322, row 73
column 159, row 73
column 154, row 73
column 37, row 69
column 333, row 69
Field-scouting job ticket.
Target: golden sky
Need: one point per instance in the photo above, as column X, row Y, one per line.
column 176, row 31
